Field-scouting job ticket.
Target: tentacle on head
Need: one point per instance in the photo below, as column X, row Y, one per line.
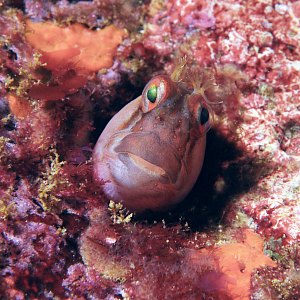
column 201, row 81
column 181, row 65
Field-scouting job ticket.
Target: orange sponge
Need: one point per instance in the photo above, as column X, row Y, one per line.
column 71, row 53
column 229, row 267
column 87, row 49
column 239, row 260
column 19, row 107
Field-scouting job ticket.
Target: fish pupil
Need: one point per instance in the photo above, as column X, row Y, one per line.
column 203, row 116
column 152, row 94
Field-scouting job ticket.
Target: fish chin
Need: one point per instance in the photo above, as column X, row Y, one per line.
column 137, row 184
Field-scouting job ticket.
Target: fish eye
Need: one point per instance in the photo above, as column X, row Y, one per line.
column 203, row 115
column 205, row 118
column 156, row 91
column 152, row 93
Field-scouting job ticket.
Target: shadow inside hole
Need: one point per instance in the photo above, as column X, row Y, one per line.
column 224, row 165
column 16, row 4
column 125, row 93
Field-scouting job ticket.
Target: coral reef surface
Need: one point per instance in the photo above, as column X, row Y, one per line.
column 66, row 67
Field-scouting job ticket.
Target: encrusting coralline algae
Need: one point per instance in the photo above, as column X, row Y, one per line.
column 62, row 78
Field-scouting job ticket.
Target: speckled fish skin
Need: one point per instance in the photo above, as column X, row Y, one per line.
column 151, row 160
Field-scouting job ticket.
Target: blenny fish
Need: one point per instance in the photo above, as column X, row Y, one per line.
column 150, row 154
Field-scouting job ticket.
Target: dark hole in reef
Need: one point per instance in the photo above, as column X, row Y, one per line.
column 45, row 74
column 75, row 225
column 76, row 1
column 16, row 4
column 37, row 203
column 72, row 251
column 30, row 284
column 10, row 125
column 206, row 204
column 125, row 93
column 12, row 55
column 34, row 285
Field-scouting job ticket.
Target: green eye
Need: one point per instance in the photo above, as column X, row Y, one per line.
column 152, row 93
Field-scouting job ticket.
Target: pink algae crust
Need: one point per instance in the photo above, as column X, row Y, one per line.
column 220, row 272
column 235, row 237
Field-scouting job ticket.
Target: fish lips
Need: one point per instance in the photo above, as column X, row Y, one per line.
column 145, row 155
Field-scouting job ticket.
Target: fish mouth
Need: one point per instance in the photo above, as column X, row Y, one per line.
column 145, row 153
column 146, row 165
column 143, row 170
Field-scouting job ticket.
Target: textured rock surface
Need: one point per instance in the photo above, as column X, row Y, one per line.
column 58, row 236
